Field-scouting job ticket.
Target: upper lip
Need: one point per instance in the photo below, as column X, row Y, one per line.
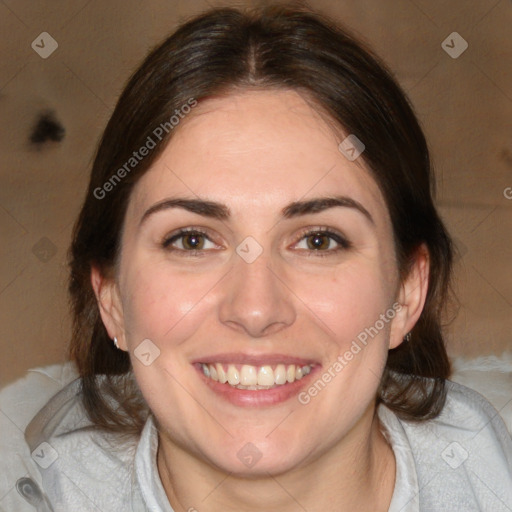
column 253, row 359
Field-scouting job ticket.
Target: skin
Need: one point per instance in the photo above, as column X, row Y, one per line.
column 256, row 152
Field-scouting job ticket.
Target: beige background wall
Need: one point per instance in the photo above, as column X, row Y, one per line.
column 465, row 105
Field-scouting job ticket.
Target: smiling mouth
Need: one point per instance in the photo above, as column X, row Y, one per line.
column 249, row 377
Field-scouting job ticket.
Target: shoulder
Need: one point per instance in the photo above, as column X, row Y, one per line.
column 465, row 403
column 492, row 377
column 51, row 451
column 19, row 402
column 463, row 456
column 470, row 420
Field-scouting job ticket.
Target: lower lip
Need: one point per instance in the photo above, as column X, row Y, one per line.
column 259, row 397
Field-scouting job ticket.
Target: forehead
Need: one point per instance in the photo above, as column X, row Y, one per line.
column 258, row 149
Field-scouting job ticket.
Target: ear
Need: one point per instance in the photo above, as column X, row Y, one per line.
column 411, row 296
column 109, row 304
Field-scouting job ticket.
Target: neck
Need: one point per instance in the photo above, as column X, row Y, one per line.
column 358, row 473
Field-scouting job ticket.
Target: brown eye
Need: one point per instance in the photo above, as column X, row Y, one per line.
column 188, row 241
column 318, row 241
column 323, row 242
column 193, row 241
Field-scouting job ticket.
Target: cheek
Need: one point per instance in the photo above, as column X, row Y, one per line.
column 163, row 304
column 166, row 307
column 348, row 300
column 355, row 306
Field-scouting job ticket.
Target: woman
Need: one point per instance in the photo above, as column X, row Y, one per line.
column 257, row 276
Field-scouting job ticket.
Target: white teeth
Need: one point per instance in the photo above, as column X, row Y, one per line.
column 255, row 377
column 221, row 374
column 233, row 375
column 280, row 374
column 248, row 375
column 265, row 376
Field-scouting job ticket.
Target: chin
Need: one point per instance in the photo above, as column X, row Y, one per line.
column 257, row 458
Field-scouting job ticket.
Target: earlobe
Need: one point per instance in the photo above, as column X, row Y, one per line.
column 412, row 296
column 109, row 304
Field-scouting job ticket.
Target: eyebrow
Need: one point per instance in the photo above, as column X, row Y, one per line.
column 206, row 208
column 220, row 211
column 317, row 205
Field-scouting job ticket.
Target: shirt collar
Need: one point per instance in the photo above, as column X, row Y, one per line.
column 146, row 471
column 405, row 495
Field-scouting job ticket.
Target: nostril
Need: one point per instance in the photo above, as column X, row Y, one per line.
column 47, row 128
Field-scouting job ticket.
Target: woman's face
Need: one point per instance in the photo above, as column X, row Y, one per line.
column 286, row 261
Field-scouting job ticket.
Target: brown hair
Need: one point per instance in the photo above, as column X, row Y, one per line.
column 273, row 47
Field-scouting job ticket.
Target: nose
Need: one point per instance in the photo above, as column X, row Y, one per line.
column 256, row 300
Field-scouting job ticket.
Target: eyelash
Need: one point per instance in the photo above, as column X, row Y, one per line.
column 166, row 243
column 343, row 243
